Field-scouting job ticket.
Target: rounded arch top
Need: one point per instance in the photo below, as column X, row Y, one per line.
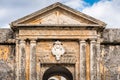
column 57, row 70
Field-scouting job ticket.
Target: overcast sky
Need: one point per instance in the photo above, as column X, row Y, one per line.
column 105, row 10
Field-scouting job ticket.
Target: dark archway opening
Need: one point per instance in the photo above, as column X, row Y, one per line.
column 59, row 71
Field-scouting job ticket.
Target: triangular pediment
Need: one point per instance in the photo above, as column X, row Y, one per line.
column 57, row 14
column 57, row 17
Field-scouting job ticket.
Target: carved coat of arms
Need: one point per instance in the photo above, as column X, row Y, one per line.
column 58, row 50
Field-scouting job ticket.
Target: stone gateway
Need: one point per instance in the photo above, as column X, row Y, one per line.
column 59, row 43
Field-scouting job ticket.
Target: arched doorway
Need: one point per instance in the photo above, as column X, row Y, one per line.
column 57, row 71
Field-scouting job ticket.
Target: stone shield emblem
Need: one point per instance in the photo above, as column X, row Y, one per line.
column 58, row 50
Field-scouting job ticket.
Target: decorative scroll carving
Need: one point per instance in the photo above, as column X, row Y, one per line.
column 58, row 50
column 65, row 59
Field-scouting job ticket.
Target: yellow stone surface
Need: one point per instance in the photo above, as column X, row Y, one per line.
column 4, row 52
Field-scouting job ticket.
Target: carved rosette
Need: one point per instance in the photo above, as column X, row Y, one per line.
column 58, row 50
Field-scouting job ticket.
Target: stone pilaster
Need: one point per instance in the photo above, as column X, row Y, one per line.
column 22, row 56
column 33, row 74
column 38, row 69
column 17, row 60
column 93, row 55
column 82, row 60
column 98, row 60
column 77, row 70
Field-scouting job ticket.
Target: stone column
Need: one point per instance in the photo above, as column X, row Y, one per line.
column 98, row 60
column 22, row 61
column 93, row 66
column 82, row 60
column 33, row 75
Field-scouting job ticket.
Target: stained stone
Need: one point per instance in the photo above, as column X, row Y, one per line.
column 6, row 72
column 83, row 60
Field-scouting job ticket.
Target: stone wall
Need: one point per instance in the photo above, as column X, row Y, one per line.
column 110, row 54
column 109, row 62
column 5, row 35
column 111, row 35
column 7, row 55
column 7, row 62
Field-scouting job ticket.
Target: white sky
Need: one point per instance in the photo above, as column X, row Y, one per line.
column 107, row 11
